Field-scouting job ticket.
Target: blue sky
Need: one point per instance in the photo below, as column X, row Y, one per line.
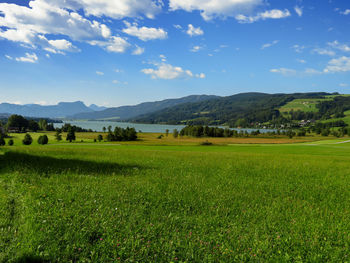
column 125, row 52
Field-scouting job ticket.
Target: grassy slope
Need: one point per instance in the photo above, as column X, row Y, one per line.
column 175, row 203
column 307, row 105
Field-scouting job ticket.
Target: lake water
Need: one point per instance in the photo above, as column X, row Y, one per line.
column 157, row 128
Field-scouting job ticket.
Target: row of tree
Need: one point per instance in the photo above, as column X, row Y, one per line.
column 121, row 134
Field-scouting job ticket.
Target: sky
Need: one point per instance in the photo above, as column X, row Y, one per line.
column 124, row 52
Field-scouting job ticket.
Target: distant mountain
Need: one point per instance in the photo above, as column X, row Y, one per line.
column 127, row 112
column 252, row 107
column 62, row 109
column 94, row 107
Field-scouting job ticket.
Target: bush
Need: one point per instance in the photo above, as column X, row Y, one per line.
column 10, row 142
column 27, row 139
column 206, row 143
column 43, row 140
column 2, row 141
column 99, row 138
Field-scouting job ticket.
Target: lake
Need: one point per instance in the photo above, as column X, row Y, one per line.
column 156, row 128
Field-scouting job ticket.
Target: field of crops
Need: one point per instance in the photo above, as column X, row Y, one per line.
column 178, row 203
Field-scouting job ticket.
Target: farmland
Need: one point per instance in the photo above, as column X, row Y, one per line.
column 102, row 202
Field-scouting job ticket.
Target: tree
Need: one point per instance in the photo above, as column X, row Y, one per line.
column 43, row 140
column 2, row 140
column 43, row 124
column 27, row 139
column 104, row 129
column 70, row 135
column 99, row 138
column 33, row 126
column 17, row 121
column 175, row 133
column 10, row 142
column 167, row 132
column 58, row 135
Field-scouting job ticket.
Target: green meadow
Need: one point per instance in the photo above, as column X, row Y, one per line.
column 99, row 202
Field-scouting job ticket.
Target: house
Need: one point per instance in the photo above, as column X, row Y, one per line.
column 13, row 130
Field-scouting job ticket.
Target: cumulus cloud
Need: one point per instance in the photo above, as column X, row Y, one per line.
column 194, row 31
column 342, row 47
column 31, row 25
column 138, row 50
column 323, row 51
column 167, row 71
column 298, row 10
column 196, row 48
column 284, row 71
column 302, row 61
column 267, row 45
column 100, row 73
column 345, row 12
column 269, row 14
column 113, row 44
column 145, row 33
column 30, row 58
column 343, row 85
column 341, row 64
column 210, row 9
column 298, row 48
column 9, row 57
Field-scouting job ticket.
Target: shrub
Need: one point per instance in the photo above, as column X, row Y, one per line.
column 10, row 142
column 27, row 139
column 206, row 143
column 2, row 141
column 99, row 137
column 43, row 140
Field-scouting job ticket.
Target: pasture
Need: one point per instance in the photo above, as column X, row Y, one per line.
column 138, row 202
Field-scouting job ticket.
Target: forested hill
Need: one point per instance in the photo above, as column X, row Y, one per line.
column 248, row 107
column 126, row 112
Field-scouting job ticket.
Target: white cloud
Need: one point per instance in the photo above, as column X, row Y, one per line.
column 194, row 31
column 115, row 82
column 337, row 45
column 323, row 51
column 118, row 70
column 210, row 9
column 113, row 44
column 346, row 12
column 31, row 58
column 298, row 10
column 162, row 57
column 100, row 73
column 343, row 85
column 9, row 57
column 196, row 48
column 302, row 61
column 178, row 26
column 145, row 33
column 138, row 50
column 284, row 71
column 269, row 44
column 341, row 64
column 167, row 71
column 269, row 14
column 200, row 76
column 30, row 25
column 298, row 48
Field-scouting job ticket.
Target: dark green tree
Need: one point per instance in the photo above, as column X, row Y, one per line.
column 58, row 135
column 175, row 133
column 2, row 140
column 43, row 139
column 33, row 126
column 70, row 135
column 27, row 139
column 99, row 138
column 10, row 142
column 17, row 121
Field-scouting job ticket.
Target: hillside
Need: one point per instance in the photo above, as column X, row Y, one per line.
column 62, row 109
column 126, row 112
column 251, row 107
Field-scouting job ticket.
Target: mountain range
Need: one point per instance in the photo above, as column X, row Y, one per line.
column 78, row 110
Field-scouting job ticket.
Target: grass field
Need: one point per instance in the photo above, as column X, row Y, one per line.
column 306, row 105
column 99, row 202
